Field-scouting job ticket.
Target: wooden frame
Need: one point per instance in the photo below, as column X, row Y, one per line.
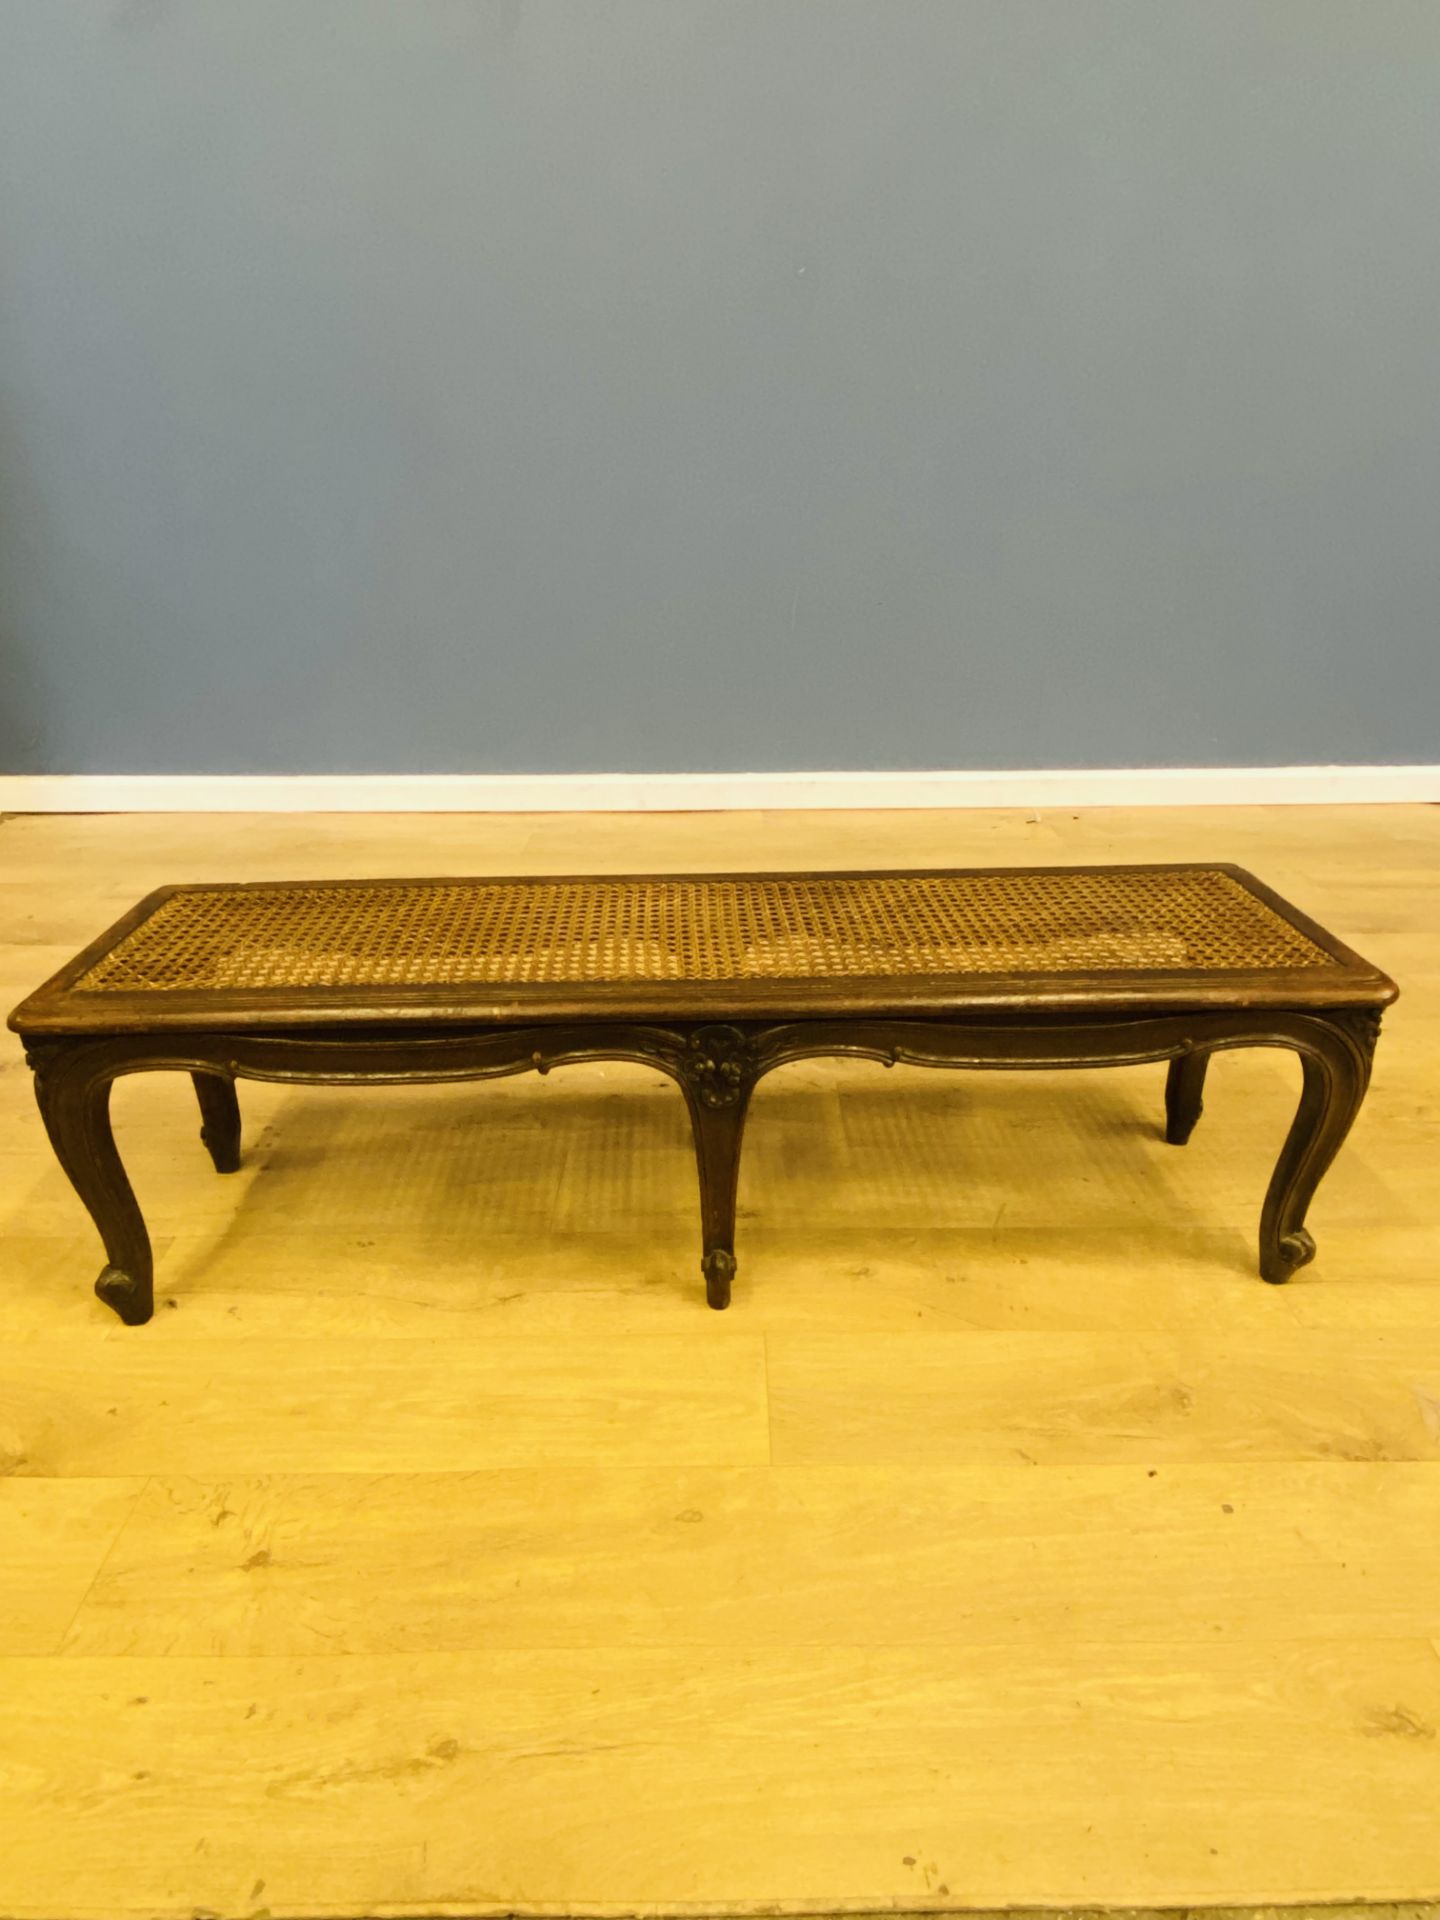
column 728, row 1038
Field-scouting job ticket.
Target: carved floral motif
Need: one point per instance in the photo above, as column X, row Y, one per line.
column 717, row 1063
column 1361, row 1023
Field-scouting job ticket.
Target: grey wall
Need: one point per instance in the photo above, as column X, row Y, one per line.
column 527, row 384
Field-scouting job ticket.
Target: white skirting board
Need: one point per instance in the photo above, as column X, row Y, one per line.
column 709, row 792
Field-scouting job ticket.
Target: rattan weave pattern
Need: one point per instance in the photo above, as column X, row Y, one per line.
column 504, row 932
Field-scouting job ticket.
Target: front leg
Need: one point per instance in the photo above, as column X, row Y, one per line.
column 219, row 1119
column 72, row 1087
column 717, row 1071
column 1336, row 1066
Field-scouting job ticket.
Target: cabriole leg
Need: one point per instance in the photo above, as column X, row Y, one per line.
column 1184, row 1095
column 718, row 1132
column 219, row 1119
column 1335, row 1077
column 73, row 1091
column 718, row 1077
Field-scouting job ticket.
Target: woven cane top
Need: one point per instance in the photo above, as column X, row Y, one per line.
column 576, row 932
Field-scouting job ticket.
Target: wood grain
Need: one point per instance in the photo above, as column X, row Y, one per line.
column 53, row 1541
column 731, row 1558
column 142, row 1406
column 1060, row 1399
column 924, row 1776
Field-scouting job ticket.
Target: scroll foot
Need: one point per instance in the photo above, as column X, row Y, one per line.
column 132, row 1296
column 1287, row 1256
column 718, row 1267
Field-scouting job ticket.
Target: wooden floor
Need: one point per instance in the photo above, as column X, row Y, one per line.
column 436, row 1550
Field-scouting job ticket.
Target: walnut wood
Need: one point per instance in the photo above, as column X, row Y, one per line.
column 1184, row 1096
column 719, row 1071
column 219, row 1119
column 72, row 1086
column 1336, row 1063
column 1066, row 1021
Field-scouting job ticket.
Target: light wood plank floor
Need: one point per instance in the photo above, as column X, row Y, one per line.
column 435, row 1550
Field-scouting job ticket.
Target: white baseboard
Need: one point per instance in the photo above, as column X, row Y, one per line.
column 699, row 792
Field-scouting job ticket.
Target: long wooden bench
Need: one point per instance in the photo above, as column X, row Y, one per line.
column 714, row 978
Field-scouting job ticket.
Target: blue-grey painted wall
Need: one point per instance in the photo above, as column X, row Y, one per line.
column 587, row 384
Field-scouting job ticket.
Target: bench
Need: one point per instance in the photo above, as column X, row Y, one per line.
column 716, row 979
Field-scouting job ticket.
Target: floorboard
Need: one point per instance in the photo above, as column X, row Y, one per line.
column 1008, row 1545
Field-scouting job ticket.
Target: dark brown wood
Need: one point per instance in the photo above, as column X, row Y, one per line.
column 718, row 1070
column 1336, row 1064
column 1184, row 1095
column 72, row 1086
column 219, row 1119
column 78, row 1048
